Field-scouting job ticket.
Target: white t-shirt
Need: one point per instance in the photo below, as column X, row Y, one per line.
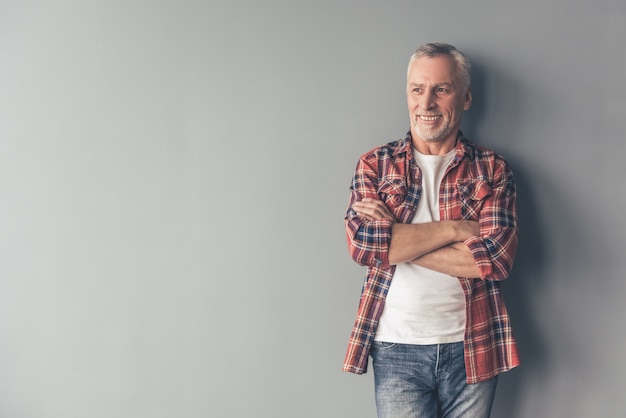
column 424, row 306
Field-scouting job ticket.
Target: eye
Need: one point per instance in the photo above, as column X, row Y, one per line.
column 418, row 90
column 442, row 90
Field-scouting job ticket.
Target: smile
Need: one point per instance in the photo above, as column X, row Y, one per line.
column 428, row 118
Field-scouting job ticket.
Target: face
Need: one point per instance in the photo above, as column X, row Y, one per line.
column 436, row 101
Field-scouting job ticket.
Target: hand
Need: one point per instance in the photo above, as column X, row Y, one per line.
column 466, row 229
column 372, row 210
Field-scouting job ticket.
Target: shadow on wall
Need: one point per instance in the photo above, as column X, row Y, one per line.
column 528, row 276
column 526, row 280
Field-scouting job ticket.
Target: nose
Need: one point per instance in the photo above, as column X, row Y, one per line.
column 427, row 100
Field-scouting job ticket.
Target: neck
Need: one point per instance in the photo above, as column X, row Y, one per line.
column 434, row 147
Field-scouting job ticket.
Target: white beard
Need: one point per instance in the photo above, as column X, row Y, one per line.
column 434, row 134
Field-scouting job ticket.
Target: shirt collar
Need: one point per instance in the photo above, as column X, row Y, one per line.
column 463, row 147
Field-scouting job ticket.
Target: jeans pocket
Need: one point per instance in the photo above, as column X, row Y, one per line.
column 384, row 345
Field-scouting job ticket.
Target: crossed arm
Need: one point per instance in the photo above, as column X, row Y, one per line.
column 435, row 245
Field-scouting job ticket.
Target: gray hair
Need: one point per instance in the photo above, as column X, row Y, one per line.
column 462, row 67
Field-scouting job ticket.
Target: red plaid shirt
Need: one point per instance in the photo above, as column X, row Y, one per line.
column 478, row 185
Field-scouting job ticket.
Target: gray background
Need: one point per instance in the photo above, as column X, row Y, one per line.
column 173, row 177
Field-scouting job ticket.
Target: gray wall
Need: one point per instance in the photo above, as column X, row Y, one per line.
column 173, row 176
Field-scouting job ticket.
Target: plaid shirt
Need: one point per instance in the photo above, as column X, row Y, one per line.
column 478, row 185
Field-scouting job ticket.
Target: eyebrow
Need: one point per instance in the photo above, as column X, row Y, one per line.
column 445, row 84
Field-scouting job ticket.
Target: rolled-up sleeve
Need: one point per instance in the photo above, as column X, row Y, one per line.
column 368, row 241
column 494, row 250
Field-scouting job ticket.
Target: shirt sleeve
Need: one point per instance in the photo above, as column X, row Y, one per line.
column 368, row 241
column 494, row 250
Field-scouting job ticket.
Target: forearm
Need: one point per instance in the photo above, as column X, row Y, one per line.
column 375, row 238
column 455, row 259
column 412, row 241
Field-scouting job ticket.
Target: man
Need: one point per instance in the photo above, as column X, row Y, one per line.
column 433, row 218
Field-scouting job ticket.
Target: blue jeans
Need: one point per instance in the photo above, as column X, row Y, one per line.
column 427, row 381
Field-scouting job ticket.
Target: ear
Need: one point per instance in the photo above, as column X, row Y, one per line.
column 468, row 99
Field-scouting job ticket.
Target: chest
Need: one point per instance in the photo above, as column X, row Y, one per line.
column 459, row 192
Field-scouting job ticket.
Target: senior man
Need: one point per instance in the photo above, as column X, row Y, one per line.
column 433, row 218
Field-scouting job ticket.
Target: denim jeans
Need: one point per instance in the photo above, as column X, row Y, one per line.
column 414, row 381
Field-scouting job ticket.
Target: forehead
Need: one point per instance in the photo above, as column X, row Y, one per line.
column 439, row 69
